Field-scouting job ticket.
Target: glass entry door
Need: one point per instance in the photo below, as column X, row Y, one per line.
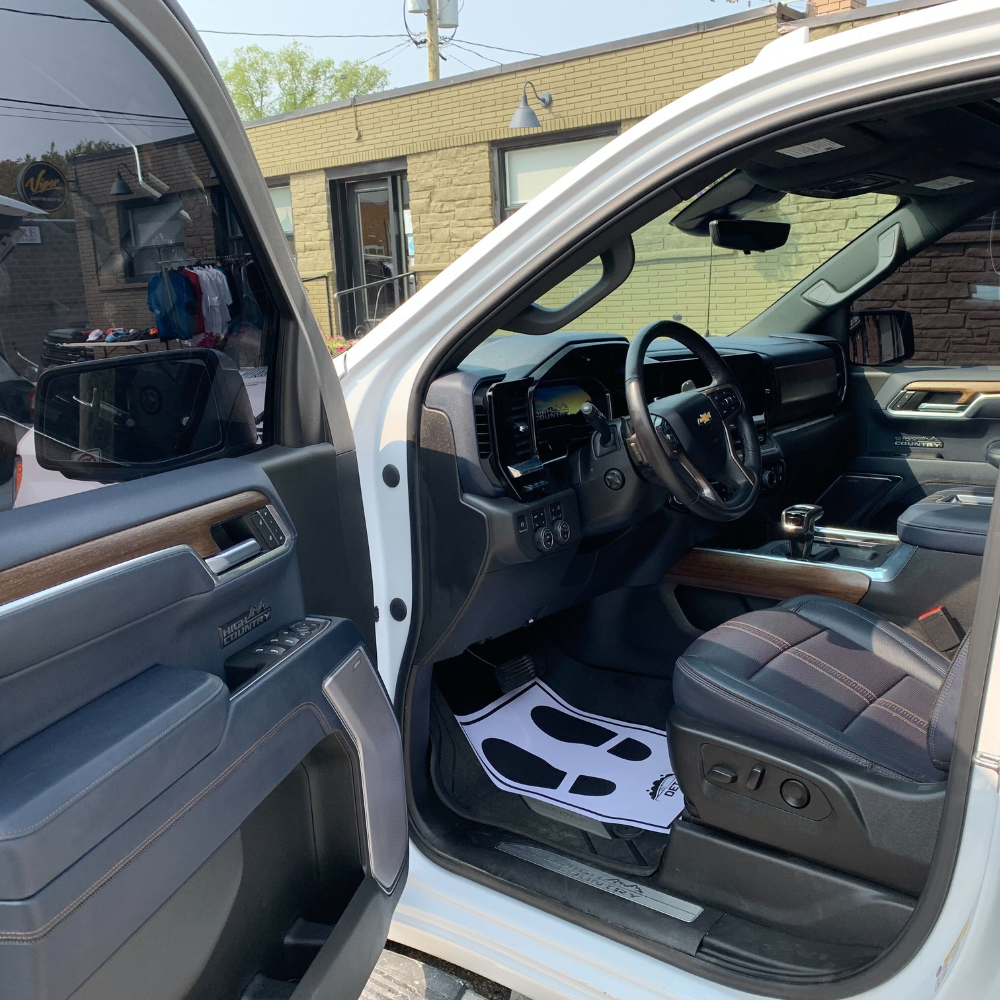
column 372, row 247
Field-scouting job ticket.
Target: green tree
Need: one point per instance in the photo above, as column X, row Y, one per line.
column 271, row 81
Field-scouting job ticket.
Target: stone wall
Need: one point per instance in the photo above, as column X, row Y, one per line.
column 952, row 291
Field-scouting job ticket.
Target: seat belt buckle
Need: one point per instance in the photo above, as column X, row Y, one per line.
column 941, row 628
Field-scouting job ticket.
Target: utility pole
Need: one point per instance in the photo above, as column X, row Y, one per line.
column 433, row 52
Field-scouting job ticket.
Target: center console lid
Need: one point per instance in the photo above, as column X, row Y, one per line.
column 953, row 520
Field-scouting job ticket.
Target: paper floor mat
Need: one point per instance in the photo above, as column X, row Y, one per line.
column 531, row 742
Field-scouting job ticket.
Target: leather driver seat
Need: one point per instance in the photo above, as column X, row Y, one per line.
column 831, row 680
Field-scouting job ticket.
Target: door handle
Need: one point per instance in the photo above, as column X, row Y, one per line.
column 233, row 556
column 824, row 294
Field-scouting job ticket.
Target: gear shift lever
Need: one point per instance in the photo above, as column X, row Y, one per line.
column 798, row 524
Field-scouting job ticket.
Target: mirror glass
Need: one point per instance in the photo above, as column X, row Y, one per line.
column 124, row 417
column 880, row 337
column 748, row 235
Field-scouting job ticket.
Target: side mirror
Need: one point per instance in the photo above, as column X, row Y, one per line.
column 121, row 418
column 748, row 235
column 880, row 337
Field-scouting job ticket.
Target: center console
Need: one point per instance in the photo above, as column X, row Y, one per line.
column 931, row 567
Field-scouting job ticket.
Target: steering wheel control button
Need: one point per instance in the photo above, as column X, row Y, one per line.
column 614, row 479
column 755, row 777
column 544, row 540
column 562, row 531
column 720, row 775
column 795, row 793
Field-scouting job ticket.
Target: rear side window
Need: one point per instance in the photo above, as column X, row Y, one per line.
column 118, row 240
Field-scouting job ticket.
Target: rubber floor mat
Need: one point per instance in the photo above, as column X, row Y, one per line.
column 532, row 742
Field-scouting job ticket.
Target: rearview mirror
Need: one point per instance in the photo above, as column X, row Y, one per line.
column 748, row 235
column 880, row 337
column 121, row 418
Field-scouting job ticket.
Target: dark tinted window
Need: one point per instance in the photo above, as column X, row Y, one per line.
column 117, row 237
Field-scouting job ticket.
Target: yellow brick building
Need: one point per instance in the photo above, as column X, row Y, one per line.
column 388, row 189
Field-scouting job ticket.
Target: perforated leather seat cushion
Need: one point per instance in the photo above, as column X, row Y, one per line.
column 830, row 679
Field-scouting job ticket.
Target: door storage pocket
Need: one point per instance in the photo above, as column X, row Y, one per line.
column 65, row 789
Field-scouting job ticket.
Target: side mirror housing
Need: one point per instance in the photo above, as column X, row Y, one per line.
column 748, row 235
column 880, row 337
column 120, row 418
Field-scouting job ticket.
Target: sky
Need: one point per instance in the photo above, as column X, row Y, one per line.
column 533, row 27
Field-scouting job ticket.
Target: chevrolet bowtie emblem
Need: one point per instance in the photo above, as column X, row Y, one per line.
column 704, row 418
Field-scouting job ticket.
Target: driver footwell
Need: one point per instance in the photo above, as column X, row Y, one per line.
column 529, row 760
column 729, row 902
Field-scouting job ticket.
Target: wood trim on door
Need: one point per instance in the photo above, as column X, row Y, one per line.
column 969, row 389
column 187, row 527
column 744, row 573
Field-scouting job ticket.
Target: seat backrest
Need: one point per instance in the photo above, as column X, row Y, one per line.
column 944, row 719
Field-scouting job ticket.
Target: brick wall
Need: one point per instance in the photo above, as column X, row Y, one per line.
column 446, row 133
column 314, row 242
column 952, row 291
column 451, row 200
column 41, row 289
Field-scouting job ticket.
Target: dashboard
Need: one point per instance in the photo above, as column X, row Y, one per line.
column 529, row 420
column 534, row 513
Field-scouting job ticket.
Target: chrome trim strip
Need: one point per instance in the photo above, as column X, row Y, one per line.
column 654, row 899
column 852, row 537
column 81, row 581
column 233, row 556
column 885, row 573
column 943, row 411
column 356, row 694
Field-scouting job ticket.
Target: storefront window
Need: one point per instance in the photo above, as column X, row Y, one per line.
column 529, row 170
column 282, row 199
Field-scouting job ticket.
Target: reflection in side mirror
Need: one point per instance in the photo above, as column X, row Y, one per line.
column 121, row 418
column 880, row 337
column 748, row 235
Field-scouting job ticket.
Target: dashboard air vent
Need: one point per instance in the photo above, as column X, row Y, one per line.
column 483, row 441
column 523, row 447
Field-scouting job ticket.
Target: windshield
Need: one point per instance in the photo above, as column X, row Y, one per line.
column 682, row 276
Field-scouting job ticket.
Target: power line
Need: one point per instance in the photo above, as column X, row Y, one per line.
column 478, row 54
column 58, row 17
column 96, row 111
column 500, row 48
column 278, row 34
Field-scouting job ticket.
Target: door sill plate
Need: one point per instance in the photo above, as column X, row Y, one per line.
column 653, row 899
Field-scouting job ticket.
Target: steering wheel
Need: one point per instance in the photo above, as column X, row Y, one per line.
column 685, row 438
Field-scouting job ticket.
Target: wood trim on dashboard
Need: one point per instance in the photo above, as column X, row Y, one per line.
column 742, row 573
column 969, row 390
column 187, row 527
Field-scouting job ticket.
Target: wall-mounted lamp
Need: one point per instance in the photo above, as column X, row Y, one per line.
column 524, row 116
column 120, row 185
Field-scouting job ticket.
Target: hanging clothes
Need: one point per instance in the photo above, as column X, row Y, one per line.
column 215, row 299
column 195, row 282
column 171, row 299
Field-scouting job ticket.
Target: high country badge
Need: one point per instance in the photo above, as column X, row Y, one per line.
column 246, row 622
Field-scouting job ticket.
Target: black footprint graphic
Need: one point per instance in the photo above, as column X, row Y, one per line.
column 568, row 728
column 587, row 784
column 521, row 766
column 630, row 749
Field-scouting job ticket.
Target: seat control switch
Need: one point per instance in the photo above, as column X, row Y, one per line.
column 795, row 793
column 720, row 775
column 755, row 777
